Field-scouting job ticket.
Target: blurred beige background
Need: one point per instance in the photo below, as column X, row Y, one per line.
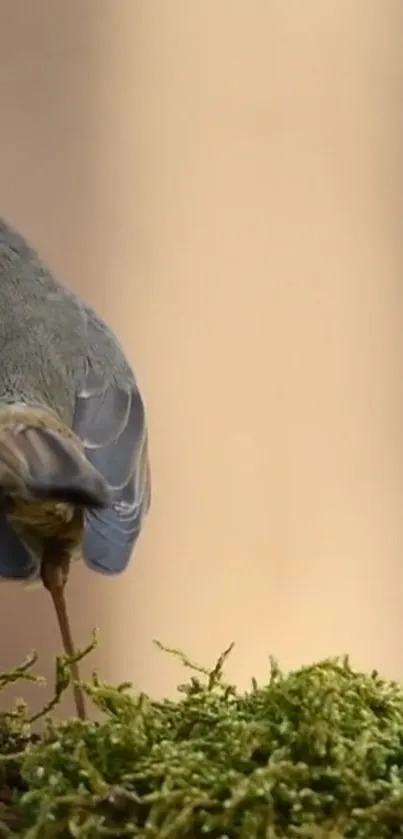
column 223, row 181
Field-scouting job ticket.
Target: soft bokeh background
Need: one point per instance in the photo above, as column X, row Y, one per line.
column 224, row 182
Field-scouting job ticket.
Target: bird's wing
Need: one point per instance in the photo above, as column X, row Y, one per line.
column 16, row 561
column 110, row 421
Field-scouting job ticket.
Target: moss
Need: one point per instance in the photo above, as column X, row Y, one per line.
column 316, row 753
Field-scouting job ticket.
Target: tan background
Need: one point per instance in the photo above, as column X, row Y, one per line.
column 224, row 180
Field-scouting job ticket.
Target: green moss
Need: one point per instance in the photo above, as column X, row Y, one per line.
column 315, row 753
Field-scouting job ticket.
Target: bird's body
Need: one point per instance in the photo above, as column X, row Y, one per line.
column 48, row 336
column 74, row 465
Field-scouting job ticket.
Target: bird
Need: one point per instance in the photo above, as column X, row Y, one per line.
column 75, row 477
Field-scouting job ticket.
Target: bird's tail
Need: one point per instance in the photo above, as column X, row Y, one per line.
column 40, row 460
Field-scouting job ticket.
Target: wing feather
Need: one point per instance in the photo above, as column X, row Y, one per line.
column 16, row 561
column 111, row 422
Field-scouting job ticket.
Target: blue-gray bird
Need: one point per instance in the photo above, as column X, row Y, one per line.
column 74, row 461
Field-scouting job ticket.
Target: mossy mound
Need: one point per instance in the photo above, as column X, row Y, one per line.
column 315, row 753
